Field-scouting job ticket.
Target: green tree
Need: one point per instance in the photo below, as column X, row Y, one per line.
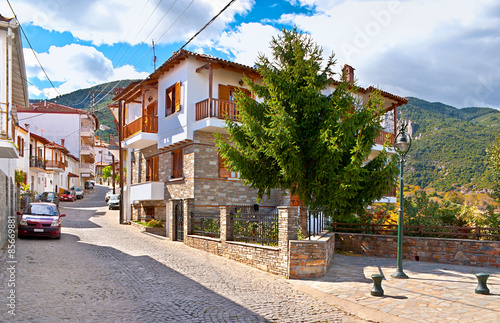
column 301, row 140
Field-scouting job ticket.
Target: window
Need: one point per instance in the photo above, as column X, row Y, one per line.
column 177, row 164
column 223, row 171
column 173, row 99
column 152, row 169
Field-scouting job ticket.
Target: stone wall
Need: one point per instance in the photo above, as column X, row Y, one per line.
column 311, row 258
column 450, row 251
column 270, row 259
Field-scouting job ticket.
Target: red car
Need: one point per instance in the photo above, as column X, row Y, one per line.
column 40, row 219
column 68, row 195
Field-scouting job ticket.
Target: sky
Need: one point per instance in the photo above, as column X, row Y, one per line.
column 438, row 50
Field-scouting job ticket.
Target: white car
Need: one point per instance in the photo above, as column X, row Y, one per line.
column 79, row 192
column 109, row 193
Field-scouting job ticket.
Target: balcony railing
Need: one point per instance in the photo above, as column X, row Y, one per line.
column 55, row 164
column 380, row 139
column 147, row 124
column 215, row 108
column 38, row 163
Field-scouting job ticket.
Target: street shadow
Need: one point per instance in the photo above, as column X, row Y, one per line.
column 143, row 288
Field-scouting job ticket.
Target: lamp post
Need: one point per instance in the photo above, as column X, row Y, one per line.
column 402, row 145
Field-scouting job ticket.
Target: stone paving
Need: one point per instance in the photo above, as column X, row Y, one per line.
column 433, row 293
column 101, row 271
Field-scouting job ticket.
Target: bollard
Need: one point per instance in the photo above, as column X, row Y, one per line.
column 377, row 285
column 481, row 284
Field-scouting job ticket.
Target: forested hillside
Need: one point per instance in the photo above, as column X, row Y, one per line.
column 449, row 150
column 95, row 98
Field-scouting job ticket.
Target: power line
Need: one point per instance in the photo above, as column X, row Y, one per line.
column 34, row 53
column 208, row 23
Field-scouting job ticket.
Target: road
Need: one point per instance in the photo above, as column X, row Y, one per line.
column 101, row 271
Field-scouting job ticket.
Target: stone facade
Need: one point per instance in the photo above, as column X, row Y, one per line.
column 450, row 251
column 200, row 179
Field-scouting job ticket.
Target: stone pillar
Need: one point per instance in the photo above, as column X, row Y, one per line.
column 171, row 222
column 226, row 224
column 288, row 222
column 187, row 208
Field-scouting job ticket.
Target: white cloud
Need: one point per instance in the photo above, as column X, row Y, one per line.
column 440, row 50
column 131, row 21
column 75, row 67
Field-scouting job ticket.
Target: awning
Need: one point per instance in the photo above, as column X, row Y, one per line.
column 70, row 174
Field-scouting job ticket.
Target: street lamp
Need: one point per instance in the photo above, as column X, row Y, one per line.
column 402, row 145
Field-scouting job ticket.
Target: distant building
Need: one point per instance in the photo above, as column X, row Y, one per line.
column 59, row 123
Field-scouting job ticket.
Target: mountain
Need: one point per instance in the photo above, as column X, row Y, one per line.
column 96, row 99
column 449, row 147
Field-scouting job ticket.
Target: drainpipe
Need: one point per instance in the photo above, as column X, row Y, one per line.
column 120, row 138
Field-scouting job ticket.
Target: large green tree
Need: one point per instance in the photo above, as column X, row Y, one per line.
column 296, row 138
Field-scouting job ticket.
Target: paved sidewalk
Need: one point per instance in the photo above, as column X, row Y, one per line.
column 433, row 293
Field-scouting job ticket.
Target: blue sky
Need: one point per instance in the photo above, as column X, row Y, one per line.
column 437, row 50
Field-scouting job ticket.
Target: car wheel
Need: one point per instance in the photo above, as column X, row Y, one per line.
column 20, row 236
column 58, row 237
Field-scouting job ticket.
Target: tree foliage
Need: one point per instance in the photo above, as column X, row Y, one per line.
column 494, row 165
column 298, row 139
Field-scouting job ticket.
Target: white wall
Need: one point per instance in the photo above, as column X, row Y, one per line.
column 54, row 126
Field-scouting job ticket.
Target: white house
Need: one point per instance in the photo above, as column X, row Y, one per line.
column 168, row 121
column 76, row 127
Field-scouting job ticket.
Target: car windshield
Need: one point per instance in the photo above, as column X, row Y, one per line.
column 41, row 209
column 77, row 189
column 115, row 197
column 66, row 192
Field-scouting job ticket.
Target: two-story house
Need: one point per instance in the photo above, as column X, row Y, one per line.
column 77, row 127
column 168, row 122
column 13, row 94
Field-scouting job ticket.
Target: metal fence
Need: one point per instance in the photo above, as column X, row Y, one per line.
column 259, row 228
column 205, row 224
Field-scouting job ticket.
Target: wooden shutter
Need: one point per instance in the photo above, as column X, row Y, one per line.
column 177, row 163
column 224, row 91
column 152, row 169
column 177, row 96
column 223, row 172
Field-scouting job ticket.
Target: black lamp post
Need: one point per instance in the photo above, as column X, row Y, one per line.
column 402, row 145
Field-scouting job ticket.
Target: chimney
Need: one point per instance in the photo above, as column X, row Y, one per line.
column 348, row 73
column 62, row 142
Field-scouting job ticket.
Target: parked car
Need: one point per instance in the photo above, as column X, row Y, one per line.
column 50, row 197
column 114, row 201
column 109, row 193
column 68, row 195
column 40, row 219
column 79, row 192
column 89, row 185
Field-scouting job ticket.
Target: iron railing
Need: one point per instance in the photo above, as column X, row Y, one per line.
column 259, row 228
column 205, row 224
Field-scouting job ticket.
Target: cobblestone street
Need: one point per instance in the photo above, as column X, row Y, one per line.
column 101, row 271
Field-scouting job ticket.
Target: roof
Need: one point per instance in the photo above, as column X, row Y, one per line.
column 176, row 59
column 134, row 88
column 50, row 107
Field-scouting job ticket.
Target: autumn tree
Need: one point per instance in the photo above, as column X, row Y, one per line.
column 296, row 138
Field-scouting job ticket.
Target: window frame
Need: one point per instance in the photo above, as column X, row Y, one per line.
column 177, row 164
column 173, row 105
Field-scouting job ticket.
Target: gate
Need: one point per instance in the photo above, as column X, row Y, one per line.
column 178, row 221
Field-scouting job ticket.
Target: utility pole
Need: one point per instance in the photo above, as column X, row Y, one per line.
column 120, row 136
column 154, row 56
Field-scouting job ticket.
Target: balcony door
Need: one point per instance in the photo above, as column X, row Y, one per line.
column 227, row 97
column 149, row 116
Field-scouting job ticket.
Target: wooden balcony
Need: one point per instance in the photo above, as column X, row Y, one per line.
column 55, row 164
column 147, row 124
column 380, row 139
column 215, row 108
